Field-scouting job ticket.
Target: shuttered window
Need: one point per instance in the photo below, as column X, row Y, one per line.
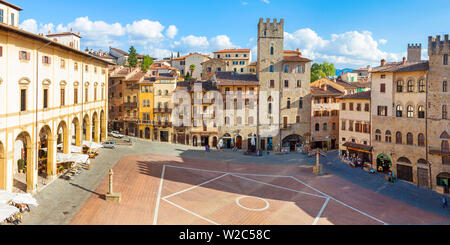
column 23, row 100
column 45, row 98
column 1, row 51
column 63, row 97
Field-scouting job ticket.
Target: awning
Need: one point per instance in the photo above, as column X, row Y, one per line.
column 92, row 145
column 25, row 198
column 76, row 158
column 358, row 147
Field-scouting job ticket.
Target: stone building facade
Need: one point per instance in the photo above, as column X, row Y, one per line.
column 283, row 79
column 438, row 120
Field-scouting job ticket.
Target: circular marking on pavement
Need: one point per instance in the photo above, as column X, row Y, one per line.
column 252, row 209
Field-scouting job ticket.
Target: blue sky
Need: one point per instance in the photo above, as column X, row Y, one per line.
column 347, row 33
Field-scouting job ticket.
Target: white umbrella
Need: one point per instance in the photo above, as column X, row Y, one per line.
column 7, row 211
column 253, row 141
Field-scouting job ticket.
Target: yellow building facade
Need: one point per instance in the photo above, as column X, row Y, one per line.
column 146, row 103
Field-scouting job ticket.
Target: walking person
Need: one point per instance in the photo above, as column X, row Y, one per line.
column 444, row 202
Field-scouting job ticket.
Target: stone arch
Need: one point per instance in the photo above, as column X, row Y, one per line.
column 3, row 168
column 95, row 127
column 76, row 131
column 24, row 81
column 403, row 160
column 147, row 133
column 63, row 136
column 87, row 128
column 46, row 153
column 27, row 154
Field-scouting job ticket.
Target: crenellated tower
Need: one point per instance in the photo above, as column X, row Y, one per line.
column 438, row 106
column 270, row 45
column 414, row 52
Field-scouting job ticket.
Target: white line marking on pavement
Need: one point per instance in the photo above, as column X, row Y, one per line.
column 193, row 187
column 276, row 186
column 155, row 217
column 359, row 211
column 321, row 211
column 222, row 172
column 178, row 206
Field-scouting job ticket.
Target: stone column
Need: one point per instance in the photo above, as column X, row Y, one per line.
column 88, row 131
column 103, row 128
column 51, row 157
column 31, row 169
column 78, row 134
column 97, row 131
column 66, row 141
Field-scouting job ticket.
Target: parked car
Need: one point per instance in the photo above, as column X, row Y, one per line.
column 116, row 135
column 109, row 144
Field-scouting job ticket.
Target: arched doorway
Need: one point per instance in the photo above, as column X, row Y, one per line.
column 443, row 180
column 103, row 126
column 76, row 132
column 95, row 128
column 204, row 140
column 147, row 133
column 384, row 163
column 404, row 169
column 239, row 142
column 3, row 170
column 46, row 153
column 194, row 140
column 215, row 141
column 87, row 128
column 226, row 141
column 23, row 170
column 292, row 141
column 63, row 139
column 251, row 143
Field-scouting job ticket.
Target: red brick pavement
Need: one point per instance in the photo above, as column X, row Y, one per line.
column 137, row 178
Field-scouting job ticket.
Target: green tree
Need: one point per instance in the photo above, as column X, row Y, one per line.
column 322, row 70
column 146, row 63
column 132, row 57
column 187, row 77
column 192, row 68
column 178, row 55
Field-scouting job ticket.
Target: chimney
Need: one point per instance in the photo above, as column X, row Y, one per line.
column 404, row 60
column 383, row 62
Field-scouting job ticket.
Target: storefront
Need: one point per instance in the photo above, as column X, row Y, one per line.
column 293, row 142
column 443, row 180
column 384, row 163
column 362, row 153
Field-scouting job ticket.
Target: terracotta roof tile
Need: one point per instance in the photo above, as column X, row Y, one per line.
column 233, row 51
column 400, row 67
column 360, row 95
column 233, row 78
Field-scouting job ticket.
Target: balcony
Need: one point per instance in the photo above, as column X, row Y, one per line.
column 130, row 104
column 131, row 118
column 163, row 124
column 162, row 110
column 438, row 151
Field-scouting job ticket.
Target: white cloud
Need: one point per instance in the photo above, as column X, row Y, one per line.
column 382, row 41
column 171, row 32
column 351, row 48
column 221, row 42
column 265, row 1
column 145, row 31
column 29, row 25
column 195, row 42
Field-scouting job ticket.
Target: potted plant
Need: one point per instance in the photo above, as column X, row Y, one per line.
column 21, row 165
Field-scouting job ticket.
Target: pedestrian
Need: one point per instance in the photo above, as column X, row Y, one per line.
column 444, row 202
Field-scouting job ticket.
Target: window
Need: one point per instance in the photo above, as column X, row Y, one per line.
column 46, row 60
column 297, row 119
column 23, row 100
column 343, row 106
column 1, row 15
column 299, row 69
column 62, row 96
column 63, row 64
column 288, row 105
column 286, row 83
column 343, row 127
column 95, row 70
column 13, row 19
column 87, row 95
column 382, row 87
column 383, row 76
column 382, row 110
column 325, row 126
column 300, row 103
column 398, row 111
column 399, row 86
column 351, row 106
column 420, row 140
column 271, row 68
column 410, row 86
column 24, row 55
column 410, row 111
column 421, row 112
column 242, row 69
column 421, row 86
column 444, row 112
column 358, row 107
column 366, row 107
column 271, row 50
column 1, row 51
column 357, row 127
column 95, row 93
column 75, row 66
column 445, row 59
column 398, row 138
column 317, row 127
column 299, row 84
column 350, row 125
column 75, row 96
column 86, row 68
column 444, row 86
column 388, row 136
column 272, row 84
column 333, row 127
column 377, row 135
column 409, row 139
column 286, row 69
column 45, row 97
